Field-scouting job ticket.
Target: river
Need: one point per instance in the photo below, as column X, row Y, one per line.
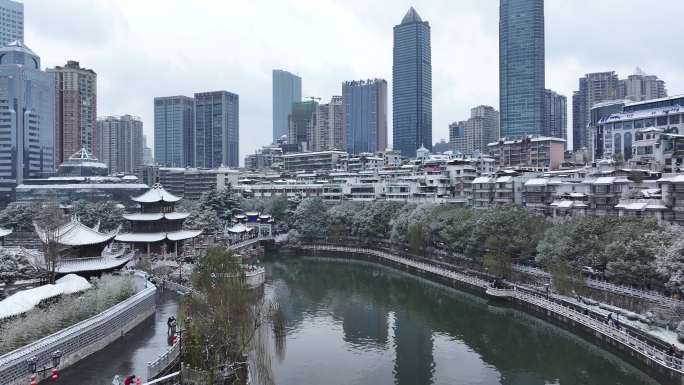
column 358, row 323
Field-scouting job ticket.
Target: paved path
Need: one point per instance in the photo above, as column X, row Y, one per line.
column 130, row 354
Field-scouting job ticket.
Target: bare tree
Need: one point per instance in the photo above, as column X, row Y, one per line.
column 48, row 222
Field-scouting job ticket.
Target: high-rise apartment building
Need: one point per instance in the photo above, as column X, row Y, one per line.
column 641, row 86
column 148, row 158
column 473, row 135
column 27, row 117
column 302, row 124
column 602, row 87
column 76, row 105
column 287, row 89
column 120, row 143
column 174, row 121
column 411, row 85
column 217, row 129
column 11, row 22
column 555, row 115
column 521, row 67
column 365, row 115
column 328, row 133
column 593, row 88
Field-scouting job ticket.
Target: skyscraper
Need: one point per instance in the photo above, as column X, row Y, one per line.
column 120, row 143
column 365, row 115
column 11, row 22
column 287, row 89
column 76, row 109
column 173, row 131
column 411, row 85
column 593, row 88
column 302, row 123
column 555, row 115
column 27, row 117
column 217, row 126
column 521, row 67
column 328, row 133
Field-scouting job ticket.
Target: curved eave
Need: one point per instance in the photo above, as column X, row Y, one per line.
column 141, row 237
column 182, row 234
column 143, row 217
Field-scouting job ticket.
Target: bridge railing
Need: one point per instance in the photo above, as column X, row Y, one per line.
column 164, row 361
column 649, row 351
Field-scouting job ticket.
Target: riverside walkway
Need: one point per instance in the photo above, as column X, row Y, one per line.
column 130, row 354
column 652, row 355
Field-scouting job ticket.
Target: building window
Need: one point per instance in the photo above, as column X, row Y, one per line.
column 674, row 119
column 661, row 121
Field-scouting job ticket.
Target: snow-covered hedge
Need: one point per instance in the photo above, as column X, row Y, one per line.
column 16, row 263
column 108, row 291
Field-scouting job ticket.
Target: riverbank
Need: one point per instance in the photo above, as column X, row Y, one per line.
column 649, row 359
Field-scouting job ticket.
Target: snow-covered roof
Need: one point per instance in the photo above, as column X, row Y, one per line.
column 239, row 228
column 144, row 216
column 141, row 237
column 175, row 216
column 673, row 179
column 482, row 179
column 605, row 180
column 75, row 233
column 182, row 234
column 93, row 264
column 504, row 179
column 5, row 232
column 156, row 194
column 537, row 182
column 562, row 204
column 25, row 300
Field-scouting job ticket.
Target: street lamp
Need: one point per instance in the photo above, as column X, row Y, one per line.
column 32, row 363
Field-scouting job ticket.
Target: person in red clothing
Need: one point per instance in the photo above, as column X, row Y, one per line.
column 130, row 380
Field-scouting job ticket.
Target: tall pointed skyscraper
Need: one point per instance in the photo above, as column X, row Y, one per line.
column 521, row 67
column 412, row 85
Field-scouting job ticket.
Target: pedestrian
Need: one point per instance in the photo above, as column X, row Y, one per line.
column 116, row 380
column 129, row 380
column 610, row 318
column 138, row 381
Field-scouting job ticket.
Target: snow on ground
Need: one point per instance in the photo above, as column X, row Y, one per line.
column 72, row 283
column 25, row 300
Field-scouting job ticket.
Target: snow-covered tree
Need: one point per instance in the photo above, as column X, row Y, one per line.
column 670, row 260
column 310, row 218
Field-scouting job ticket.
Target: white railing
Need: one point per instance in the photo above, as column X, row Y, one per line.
column 650, row 352
column 164, row 361
column 649, row 295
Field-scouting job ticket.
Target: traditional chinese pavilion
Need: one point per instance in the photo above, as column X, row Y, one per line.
column 77, row 240
column 157, row 227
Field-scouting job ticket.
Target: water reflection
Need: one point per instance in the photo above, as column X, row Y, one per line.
column 352, row 323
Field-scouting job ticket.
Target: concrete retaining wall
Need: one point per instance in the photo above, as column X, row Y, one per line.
column 83, row 339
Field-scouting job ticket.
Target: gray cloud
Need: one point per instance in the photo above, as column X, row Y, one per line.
column 141, row 49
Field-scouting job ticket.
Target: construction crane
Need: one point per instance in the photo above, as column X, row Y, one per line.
column 313, row 98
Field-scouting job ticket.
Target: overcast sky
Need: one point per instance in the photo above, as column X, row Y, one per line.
column 146, row 48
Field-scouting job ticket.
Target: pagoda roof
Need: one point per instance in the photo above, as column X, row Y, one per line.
column 78, row 265
column 239, row 228
column 158, row 237
column 156, row 194
column 76, row 233
column 155, row 216
column 141, row 237
column 182, row 234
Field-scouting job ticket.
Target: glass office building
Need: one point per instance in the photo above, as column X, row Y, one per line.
column 216, row 129
column 173, row 131
column 411, row 85
column 365, row 115
column 521, row 67
column 287, row 89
